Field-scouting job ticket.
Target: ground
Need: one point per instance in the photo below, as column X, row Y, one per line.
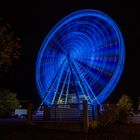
column 23, row 131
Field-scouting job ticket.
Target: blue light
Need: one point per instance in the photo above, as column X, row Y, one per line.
column 82, row 57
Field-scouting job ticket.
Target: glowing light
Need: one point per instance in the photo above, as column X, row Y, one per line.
column 82, row 56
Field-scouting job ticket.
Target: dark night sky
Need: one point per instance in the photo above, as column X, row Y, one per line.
column 31, row 21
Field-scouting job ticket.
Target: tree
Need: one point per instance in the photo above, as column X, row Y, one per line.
column 124, row 106
column 10, row 47
column 125, row 102
column 116, row 114
column 8, row 102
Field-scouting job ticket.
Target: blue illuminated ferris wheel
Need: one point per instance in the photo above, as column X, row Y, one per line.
column 81, row 58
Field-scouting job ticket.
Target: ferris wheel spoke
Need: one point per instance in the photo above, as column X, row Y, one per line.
column 107, row 64
column 53, row 81
column 78, row 78
column 89, row 67
column 111, row 46
column 71, row 69
column 57, row 46
column 63, row 38
column 67, row 90
column 62, row 89
column 58, row 84
column 103, row 73
column 92, row 61
column 86, row 83
column 95, row 73
column 81, row 84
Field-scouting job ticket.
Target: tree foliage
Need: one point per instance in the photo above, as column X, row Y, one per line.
column 10, row 47
column 117, row 113
column 125, row 102
column 8, row 102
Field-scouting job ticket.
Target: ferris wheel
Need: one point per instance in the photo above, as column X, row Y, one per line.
column 82, row 57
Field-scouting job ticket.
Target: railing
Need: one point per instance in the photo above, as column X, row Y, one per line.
column 63, row 112
column 82, row 113
column 67, row 112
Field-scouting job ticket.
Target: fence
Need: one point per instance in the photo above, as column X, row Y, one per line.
column 64, row 112
column 81, row 112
